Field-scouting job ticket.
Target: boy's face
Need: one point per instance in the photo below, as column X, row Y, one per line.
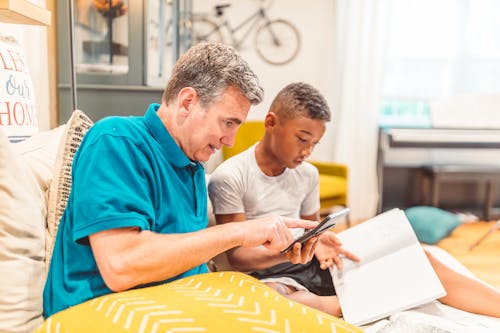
column 293, row 140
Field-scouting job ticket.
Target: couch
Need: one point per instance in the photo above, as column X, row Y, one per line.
column 35, row 181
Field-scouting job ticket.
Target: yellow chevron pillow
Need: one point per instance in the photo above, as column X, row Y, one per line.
column 212, row 302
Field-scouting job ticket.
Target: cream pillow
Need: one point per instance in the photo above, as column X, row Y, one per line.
column 22, row 243
column 39, row 154
column 26, row 175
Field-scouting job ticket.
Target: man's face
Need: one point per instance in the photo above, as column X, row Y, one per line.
column 293, row 140
column 209, row 129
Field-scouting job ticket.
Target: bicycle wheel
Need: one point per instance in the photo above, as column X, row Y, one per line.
column 198, row 29
column 204, row 30
column 277, row 42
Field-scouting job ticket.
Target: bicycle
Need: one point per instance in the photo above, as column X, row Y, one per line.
column 277, row 41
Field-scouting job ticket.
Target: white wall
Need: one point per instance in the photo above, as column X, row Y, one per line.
column 314, row 19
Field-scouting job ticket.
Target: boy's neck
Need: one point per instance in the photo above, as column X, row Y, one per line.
column 267, row 161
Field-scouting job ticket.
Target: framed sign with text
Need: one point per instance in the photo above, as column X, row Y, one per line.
column 18, row 117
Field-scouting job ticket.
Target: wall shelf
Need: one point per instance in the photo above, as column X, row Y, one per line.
column 23, row 12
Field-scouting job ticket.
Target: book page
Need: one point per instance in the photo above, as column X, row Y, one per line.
column 394, row 273
column 383, row 235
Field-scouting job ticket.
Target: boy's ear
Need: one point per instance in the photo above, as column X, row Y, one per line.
column 271, row 120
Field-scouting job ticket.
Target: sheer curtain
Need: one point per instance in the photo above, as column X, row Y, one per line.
column 355, row 91
column 439, row 49
column 450, row 64
column 411, row 52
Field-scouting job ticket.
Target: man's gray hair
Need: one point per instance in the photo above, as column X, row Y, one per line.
column 210, row 68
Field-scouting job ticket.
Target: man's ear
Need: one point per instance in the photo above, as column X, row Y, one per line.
column 186, row 98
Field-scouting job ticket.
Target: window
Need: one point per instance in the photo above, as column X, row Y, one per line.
column 162, row 55
column 438, row 49
column 101, row 36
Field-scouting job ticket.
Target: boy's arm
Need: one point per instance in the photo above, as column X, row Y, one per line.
column 312, row 217
column 247, row 259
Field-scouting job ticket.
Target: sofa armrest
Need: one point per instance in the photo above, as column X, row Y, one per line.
column 331, row 168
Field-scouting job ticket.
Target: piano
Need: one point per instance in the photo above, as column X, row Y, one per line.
column 442, row 137
column 417, row 148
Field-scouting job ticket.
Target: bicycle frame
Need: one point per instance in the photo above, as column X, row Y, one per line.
column 253, row 19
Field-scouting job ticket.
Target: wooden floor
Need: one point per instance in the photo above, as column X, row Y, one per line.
column 483, row 260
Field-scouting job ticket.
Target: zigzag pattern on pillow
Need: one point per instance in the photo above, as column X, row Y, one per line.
column 212, row 302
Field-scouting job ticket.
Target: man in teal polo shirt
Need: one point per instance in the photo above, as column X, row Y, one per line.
column 137, row 212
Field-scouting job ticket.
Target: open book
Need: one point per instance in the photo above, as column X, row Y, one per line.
column 394, row 273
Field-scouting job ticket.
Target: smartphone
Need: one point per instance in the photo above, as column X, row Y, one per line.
column 328, row 222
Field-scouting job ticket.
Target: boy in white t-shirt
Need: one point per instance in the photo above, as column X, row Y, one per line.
column 272, row 177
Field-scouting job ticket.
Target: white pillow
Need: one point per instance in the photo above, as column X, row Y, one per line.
column 22, row 242
column 39, row 154
column 18, row 116
column 26, row 174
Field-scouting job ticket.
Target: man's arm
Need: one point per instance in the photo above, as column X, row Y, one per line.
column 128, row 257
column 254, row 258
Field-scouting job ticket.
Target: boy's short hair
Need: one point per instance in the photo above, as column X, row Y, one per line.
column 300, row 100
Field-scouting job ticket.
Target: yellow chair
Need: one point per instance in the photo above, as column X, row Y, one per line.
column 332, row 176
column 249, row 133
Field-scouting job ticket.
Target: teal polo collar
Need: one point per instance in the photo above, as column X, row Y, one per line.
column 160, row 133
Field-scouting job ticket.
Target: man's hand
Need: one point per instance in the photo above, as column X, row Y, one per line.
column 330, row 252
column 273, row 233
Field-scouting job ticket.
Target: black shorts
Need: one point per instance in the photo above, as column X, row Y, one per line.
column 310, row 275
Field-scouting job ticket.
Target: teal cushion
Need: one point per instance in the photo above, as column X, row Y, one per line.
column 431, row 224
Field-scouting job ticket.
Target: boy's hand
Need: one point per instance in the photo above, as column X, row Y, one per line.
column 330, row 252
column 302, row 255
